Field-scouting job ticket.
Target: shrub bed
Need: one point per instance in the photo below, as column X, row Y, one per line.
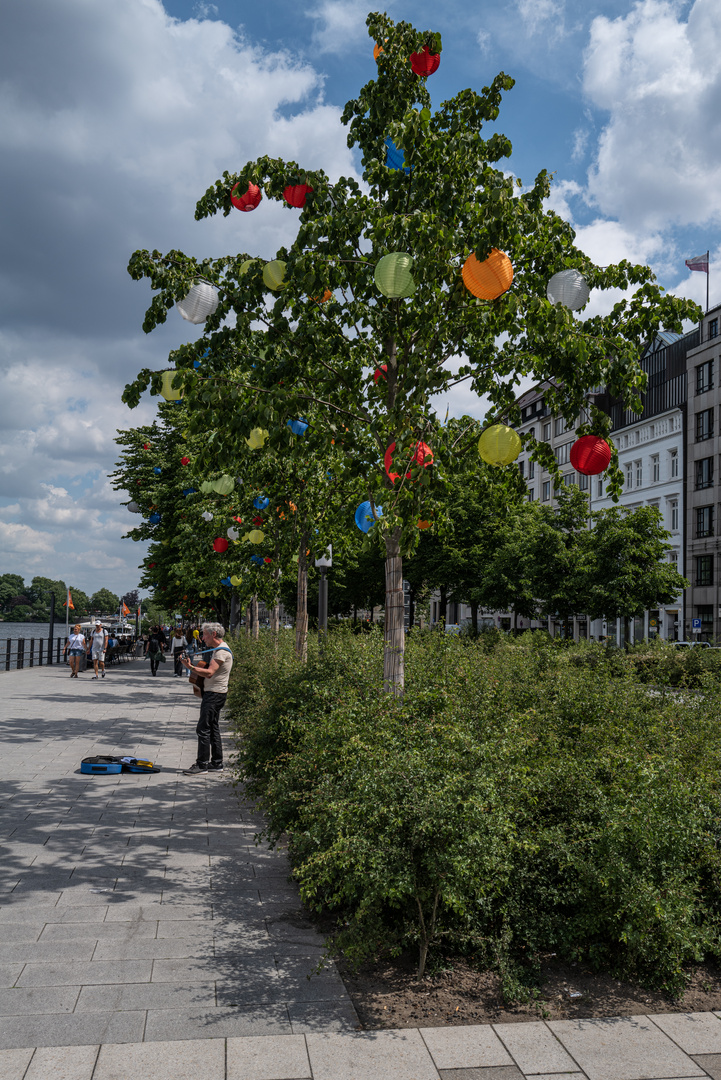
column 522, row 799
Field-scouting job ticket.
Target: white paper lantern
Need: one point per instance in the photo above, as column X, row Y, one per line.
column 569, row 288
column 232, row 533
column 134, row 508
column 201, row 301
column 206, row 515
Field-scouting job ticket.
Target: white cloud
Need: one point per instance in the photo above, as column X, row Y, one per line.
column 339, row 23
column 536, row 16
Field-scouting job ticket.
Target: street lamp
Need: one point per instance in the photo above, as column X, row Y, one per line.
column 323, row 563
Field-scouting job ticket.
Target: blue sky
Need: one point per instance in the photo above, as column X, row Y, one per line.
column 114, row 118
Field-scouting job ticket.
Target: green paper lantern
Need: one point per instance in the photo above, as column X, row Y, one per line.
column 224, row 485
column 169, row 392
column 393, row 275
column 274, row 275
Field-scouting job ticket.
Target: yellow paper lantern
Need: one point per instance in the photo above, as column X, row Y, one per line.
column 245, row 266
column 169, row 392
column 499, row 445
column 488, row 279
column 274, row 275
column 235, row 580
column 257, row 438
column 256, row 536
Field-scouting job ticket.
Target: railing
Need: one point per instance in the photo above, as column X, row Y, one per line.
column 28, row 652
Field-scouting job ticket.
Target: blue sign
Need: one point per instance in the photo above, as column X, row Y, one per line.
column 696, row 624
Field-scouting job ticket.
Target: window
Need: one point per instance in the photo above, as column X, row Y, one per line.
column 562, row 453
column 583, row 482
column 638, row 437
column 546, row 432
column 674, row 463
column 704, row 473
column 546, row 490
column 522, row 467
column 704, row 377
column 655, row 469
column 560, row 426
column 704, row 612
column 713, row 328
column 673, row 514
column 629, row 476
column 704, row 569
column 569, row 479
column 704, row 425
column 673, row 559
column 704, row 521
column 531, row 494
column 599, row 489
column 639, row 473
column 531, row 470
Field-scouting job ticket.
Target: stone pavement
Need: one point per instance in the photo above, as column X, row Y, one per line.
column 143, row 934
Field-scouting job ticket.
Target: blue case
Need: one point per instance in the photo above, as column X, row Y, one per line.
column 110, row 767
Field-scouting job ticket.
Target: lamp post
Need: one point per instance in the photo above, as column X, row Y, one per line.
column 50, row 632
column 323, row 563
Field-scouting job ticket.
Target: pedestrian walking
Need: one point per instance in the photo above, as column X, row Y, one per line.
column 74, row 649
column 98, row 646
column 177, row 644
column 217, row 673
column 153, row 649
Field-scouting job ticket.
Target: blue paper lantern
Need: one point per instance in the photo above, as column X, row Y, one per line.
column 298, row 427
column 157, row 470
column 257, row 559
column 395, row 157
column 364, row 516
column 155, row 518
column 260, row 502
column 225, row 581
column 189, row 491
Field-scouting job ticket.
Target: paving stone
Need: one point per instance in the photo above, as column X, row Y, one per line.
column 534, row 1048
column 9, row 974
column 268, row 1057
column 199, row 1023
column 369, row 1056
column 494, row 1072
column 86, row 974
column 38, row 999
column 21, row 932
column 140, row 948
column 308, row 1017
column 190, row 1060
column 101, row 931
column 469, row 1047
column 41, row 952
column 14, row 1063
column 711, row 1063
column 131, row 997
column 695, row 1033
column 63, row 1063
column 622, row 1048
column 75, row 1029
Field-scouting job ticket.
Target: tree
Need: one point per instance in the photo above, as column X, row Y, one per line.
column 131, row 599
column 330, row 325
column 11, row 585
column 104, row 602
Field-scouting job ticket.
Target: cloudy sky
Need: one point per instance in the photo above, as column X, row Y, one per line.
column 115, row 118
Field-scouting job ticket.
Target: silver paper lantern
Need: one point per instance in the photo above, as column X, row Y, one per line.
column 201, row 301
column 134, row 508
column 206, row 515
column 568, row 287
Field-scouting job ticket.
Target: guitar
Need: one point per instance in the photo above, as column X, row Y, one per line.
column 197, row 681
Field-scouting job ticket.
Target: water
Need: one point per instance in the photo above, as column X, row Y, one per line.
column 30, row 630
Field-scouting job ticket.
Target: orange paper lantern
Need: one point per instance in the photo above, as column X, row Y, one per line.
column 488, row 279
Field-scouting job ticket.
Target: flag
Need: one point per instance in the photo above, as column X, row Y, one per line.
column 699, row 262
column 69, row 602
column 138, row 609
column 126, row 609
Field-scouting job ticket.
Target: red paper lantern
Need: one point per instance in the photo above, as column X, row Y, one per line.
column 220, row 544
column 380, row 373
column 185, row 461
column 258, row 521
column 295, row 195
column 151, row 565
column 422, row 454
column 267, row 559
column 146, row 446
column 590, row 455
column 425, row 62
column 249, row 200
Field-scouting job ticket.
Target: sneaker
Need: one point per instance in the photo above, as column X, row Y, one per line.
column 95, row 676
column 195, row 769
column 216, row 768
column 103, row 674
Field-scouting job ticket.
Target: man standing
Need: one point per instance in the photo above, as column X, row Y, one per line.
column 98, row 645
column 153, row 648
column 217, row 673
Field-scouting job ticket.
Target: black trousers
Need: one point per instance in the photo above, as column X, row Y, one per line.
column 210, row 748
column 154, row 661
column 179, row 669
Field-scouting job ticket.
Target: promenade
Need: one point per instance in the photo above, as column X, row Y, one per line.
column 143, row 934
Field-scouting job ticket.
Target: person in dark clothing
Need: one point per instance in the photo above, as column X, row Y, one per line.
column 153, row 649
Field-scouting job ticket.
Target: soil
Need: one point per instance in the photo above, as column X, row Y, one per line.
column 390, row 995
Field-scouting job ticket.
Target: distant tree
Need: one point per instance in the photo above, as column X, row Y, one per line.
column 10, row 585
column 132, row 599
column 22, row 613
column 41, row 589
column 81, row 602
column 104, row 602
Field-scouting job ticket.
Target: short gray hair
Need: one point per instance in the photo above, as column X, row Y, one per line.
column 214, row 628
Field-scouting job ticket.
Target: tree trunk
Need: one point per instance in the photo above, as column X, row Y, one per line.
column 301, row 615
column 443, row 605
column 474, row 616
column 355, row 614
column 394, row 636
column 412, row 608
column 254, row 608
column 248, row 618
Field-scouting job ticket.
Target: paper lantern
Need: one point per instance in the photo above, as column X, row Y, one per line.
column 157, row 470
column 393, row 275
column 590, row 455
column 245, row 266
column 421, row 453
column 377, row 50
column 395, row 157
column 155, row 519
column 134, row 508
column 249, row 200
column 380, row 373
column 201, row 301
column 225, row 581
column 185, row 461
column 424, row 524
column 206, row 515
column 569, row 288
column 267, row 559
column 220, row 544
column 322, row 299
column 170, row 392
column 146, row 446
column 257, row 438
column 298, row 427
column 425, row 62
column 488, row 279
column 189, row 491
column 224, row 484
column 151, row 565
column 364, row 518
column 274, row 275
column 257, row 559
column 295, row 195
column 499, row 445
column 232, row 533
column 235, row 580
column 258, row 521
column 260, row 502
column 256, row 536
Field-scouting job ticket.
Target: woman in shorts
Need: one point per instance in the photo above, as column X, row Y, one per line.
column 74, row 649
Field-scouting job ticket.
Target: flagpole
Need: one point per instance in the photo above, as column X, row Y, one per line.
column 708, row 275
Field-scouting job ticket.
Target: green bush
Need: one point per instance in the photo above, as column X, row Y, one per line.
column 520, row 799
